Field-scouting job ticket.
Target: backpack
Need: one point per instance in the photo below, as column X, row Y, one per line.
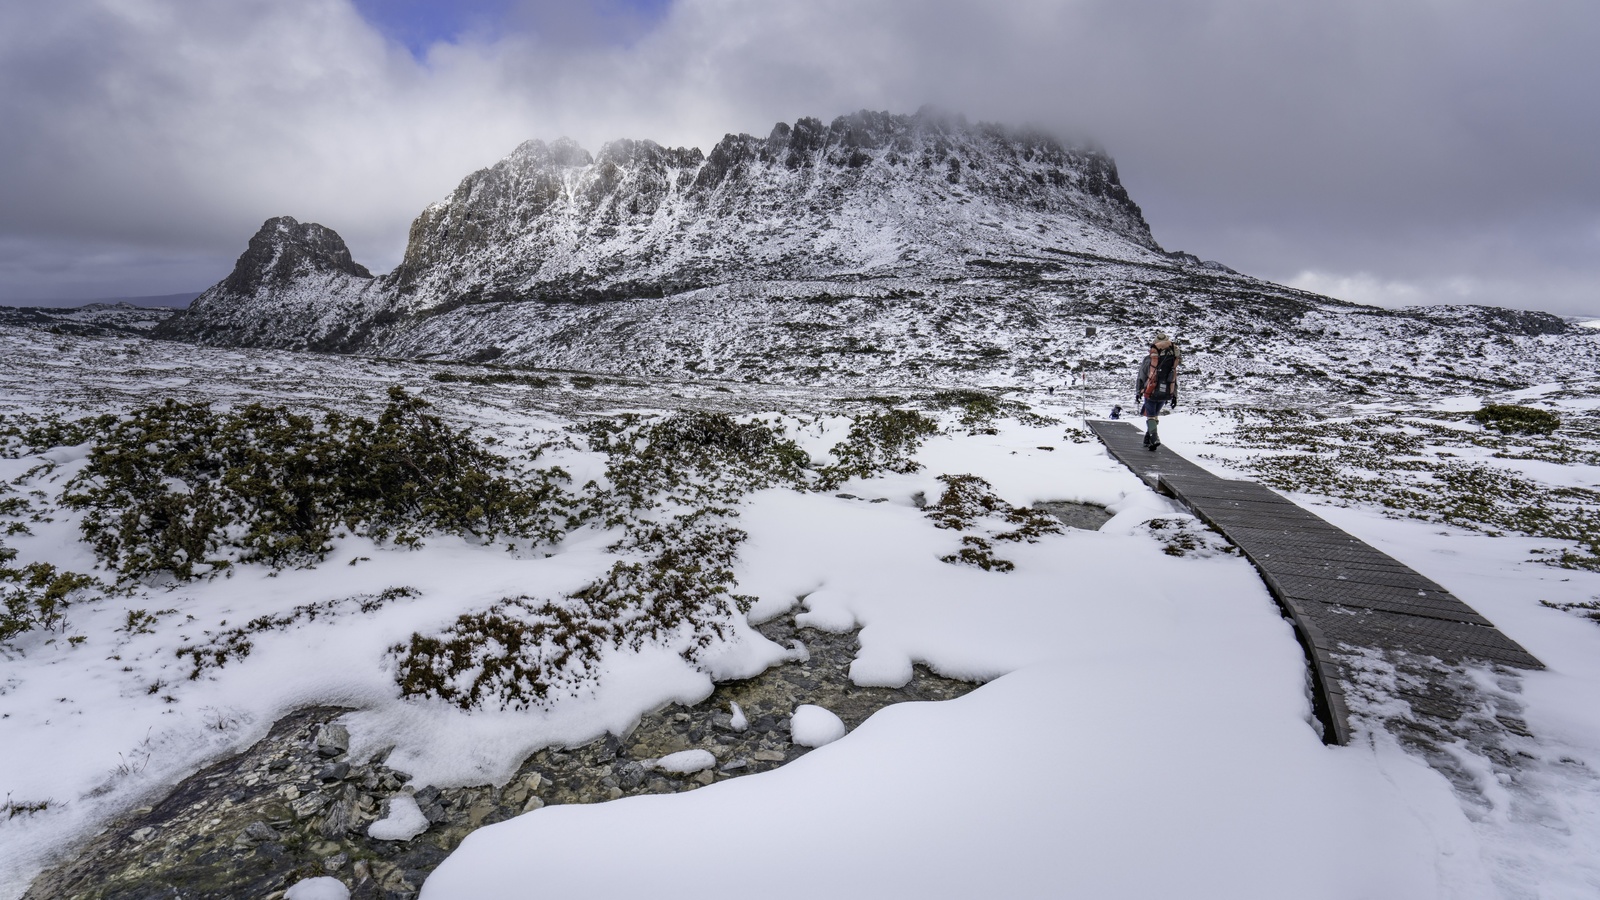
column 1166, row 365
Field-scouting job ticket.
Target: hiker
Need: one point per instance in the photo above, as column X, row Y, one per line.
column 1157, row 385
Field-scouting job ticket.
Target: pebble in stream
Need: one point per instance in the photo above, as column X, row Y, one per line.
column 295, row 806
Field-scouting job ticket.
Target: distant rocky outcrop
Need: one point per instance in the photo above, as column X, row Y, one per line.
column 295, row 286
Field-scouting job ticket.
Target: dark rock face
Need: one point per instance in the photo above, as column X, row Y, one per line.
column 295, row 286
column 284, row 250
column 1496, row 320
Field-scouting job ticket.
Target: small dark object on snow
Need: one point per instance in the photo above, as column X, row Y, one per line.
column 1116, row 411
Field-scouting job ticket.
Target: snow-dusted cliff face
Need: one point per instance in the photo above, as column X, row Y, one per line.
column 878, row 249
column 870, row 195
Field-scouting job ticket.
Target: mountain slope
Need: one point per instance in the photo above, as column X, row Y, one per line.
column 876, row 249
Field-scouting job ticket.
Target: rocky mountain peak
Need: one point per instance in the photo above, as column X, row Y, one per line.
column 284, row 250
column 870, row 194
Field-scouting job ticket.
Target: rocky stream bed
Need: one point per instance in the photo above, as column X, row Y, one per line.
column 296, row 805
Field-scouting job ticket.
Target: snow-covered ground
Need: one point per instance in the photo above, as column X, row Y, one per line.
column 1143, row 728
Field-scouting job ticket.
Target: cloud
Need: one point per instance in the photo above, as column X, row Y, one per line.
column 1354, row 139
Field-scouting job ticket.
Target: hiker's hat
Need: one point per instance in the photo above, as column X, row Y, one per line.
column 1161, row 337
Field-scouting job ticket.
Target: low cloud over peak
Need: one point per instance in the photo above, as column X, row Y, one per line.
column 1347, row 145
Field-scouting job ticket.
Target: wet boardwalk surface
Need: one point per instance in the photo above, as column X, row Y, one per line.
column 1350, row 602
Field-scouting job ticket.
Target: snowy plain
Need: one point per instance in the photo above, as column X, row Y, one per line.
column 1143, row 728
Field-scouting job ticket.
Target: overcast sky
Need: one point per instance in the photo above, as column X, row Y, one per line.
column 1394, row 151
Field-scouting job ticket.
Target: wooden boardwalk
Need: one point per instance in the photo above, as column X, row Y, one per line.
column 1344, row 596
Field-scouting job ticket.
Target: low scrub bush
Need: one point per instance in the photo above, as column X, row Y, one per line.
column 1518, row 419
column 236, row 643
column 22, row 434
column 981, row 409
column 878, row 443
column 525, row 652
column 692, row 458
column 179, row 488
column 36, row 595
column 970, row 504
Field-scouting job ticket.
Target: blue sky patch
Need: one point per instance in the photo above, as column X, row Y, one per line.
column 419, row 24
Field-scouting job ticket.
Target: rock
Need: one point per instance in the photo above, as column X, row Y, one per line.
column 335, row 862
column 333, row 740
column 335, row 772
column 813, row 726
column 309, row 805
column 533, row 803
column 514, row 795
column 143, row 834
column 735, row 765
column 339, row 819
column 768, row 755
column 259, row 832
column 686, row 762
column 631, row 775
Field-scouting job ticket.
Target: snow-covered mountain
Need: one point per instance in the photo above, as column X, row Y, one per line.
column 880, row 248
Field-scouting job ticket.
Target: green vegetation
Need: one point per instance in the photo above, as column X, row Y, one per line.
column 1588, row 609
column 14, row 808
column 878, row 443
column 235, row 643
column 487, row 378
column 36, row 595
column 1188, row 537
column 1518, row 419
column 691, row 458
column 525, row 651
column 179, row 488
column 969, row 502
column 22, row 434
column 673, row 481
column 980, row 409
column 1424, row 469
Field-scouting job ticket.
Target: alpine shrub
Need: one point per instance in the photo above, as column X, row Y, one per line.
column 36, row 595
column 179, row 488
column 525, row 652
column 691, row 458
column 878, row 443
column 1518, row 419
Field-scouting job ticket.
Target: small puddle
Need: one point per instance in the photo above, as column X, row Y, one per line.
column 254, row 824
column 1086, row 516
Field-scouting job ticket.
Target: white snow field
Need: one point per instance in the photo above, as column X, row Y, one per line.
column 1143, row 728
